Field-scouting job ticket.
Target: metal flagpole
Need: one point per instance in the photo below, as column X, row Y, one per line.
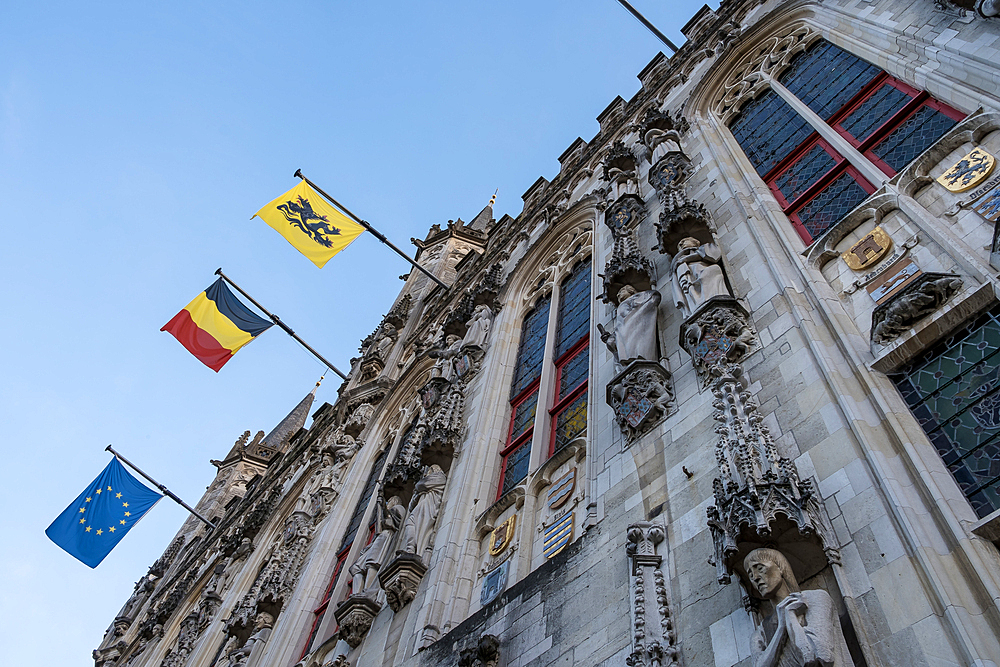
column 652, row 28
column 377, row 234
column 284, row 327
column 167, row 492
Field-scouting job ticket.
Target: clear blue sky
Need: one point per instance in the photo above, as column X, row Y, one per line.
column 136, row 140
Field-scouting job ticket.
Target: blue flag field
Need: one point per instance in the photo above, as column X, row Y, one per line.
column 107, row 509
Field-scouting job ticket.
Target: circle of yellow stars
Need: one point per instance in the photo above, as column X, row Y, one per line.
column 111, row 529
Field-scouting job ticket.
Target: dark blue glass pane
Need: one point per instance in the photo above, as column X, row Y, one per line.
column 517, row 467
column 359, row 509
column 913, row 137
column 524, row 415
column 574, row 309
column 768, row 130
column 874, row 111
column 826, row 77
column 831, row 204
column 803, row 173
column 532, row 347
column 574, row 371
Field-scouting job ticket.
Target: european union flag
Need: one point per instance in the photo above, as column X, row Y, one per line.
column 96, row 521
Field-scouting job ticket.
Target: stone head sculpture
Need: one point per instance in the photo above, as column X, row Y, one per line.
column 770, row 573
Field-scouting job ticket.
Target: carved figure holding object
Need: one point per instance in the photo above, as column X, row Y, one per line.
column 389, row 516
column 697, row 274
column 635, row 325
column 806, row 624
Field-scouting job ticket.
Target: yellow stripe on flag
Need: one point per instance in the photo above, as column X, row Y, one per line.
column 206, row 315
column 310, row 224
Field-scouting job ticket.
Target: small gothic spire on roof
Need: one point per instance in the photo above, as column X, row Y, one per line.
column 280, row 435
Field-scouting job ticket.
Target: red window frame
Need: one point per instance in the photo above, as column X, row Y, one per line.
column 918, row 99
column 841, row 165
column 320, row 611
column 511, row 445
column 563, row 402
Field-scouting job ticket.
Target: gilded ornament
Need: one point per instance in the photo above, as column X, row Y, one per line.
column 968, row 172
column 868, row 250
column 502, row 535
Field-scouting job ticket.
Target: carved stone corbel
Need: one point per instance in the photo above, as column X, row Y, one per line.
column 914, row 302
column 642, row 395
column 355, row 616
column 486, row 653
column 400, row 579
column 718, row 333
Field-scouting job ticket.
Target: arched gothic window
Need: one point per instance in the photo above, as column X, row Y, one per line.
column 563, row 367
column 953, row 390
column 807, row 167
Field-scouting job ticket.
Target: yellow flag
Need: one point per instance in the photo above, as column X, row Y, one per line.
column 308, row 222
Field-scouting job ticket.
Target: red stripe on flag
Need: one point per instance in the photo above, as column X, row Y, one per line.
column 198, row 342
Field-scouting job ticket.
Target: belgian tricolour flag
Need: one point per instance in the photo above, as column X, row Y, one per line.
column 215, row 326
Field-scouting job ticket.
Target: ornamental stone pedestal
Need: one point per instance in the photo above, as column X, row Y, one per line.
column 355, row 616
column 717, row 333
column 642, row 396
column 400, row 578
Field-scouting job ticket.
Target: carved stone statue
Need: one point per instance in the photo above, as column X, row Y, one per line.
column 344, row 449
column 389, row 515
column 804, row 629
column 479, row 327
column 634, row 336
column 380, row 348
column 254, row 646
column 697, row 274
column 444, row 367
column 423, row 511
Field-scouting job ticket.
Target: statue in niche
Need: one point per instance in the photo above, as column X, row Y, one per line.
column 380, row 348
column 444, row 367
column 389, row 515
column 344, row 449
column 634, row 336
column 804, row 629
column 254, row 646
column 423, row 511
column 478, row 327
column 697, row 274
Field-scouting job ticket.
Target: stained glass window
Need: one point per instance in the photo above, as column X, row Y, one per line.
column 768, row 130
column 889, row 122
column 574, row 308
column 954, row 392
column 515, row 466
column 826, row 77
column 569, row 360
column 532, row 347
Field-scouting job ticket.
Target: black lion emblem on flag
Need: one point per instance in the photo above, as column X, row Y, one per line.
column 317, row 226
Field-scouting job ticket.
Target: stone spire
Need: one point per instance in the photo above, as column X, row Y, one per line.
column 290, row 425
column 482, row 221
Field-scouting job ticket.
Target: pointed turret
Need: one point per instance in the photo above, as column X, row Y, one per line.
column 482, row 221
column 280, row 435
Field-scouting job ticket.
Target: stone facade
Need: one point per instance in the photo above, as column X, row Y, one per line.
column 614, row 522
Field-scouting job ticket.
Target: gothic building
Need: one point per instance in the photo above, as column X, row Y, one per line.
column 726, row 392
